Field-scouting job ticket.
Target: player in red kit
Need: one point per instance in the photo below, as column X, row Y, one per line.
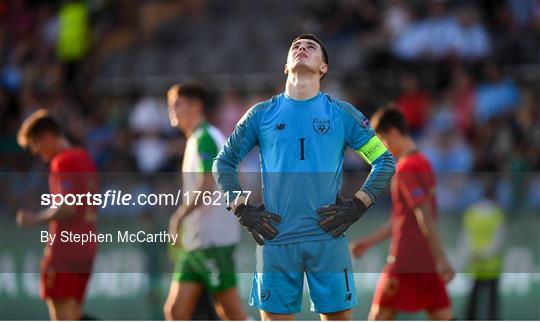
column 66, row 266
column 417, row 269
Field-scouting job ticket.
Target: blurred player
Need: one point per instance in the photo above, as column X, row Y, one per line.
column 417, row 269
column 484, row 230
column 209, row 234
column 302, row 135
column 66, row 267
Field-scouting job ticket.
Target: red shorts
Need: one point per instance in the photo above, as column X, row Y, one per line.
column 411, row 292
column 55, row 285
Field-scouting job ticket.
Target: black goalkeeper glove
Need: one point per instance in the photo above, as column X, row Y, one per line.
column 337, row 218
column 257, row 222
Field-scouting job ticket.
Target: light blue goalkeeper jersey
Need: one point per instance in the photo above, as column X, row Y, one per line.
column 302, row 145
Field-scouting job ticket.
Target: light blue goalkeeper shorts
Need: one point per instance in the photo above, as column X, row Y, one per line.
column 278, row 279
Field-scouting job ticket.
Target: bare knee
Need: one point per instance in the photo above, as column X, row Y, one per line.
column 167, row 312
column 345, row 315
column 267, row 316
column 64, row 309
column 228, row 313
column 175, row 311
column 378, row 313
column 182, row 300
column 229, row 306
column 444, row 314
column 221, row 312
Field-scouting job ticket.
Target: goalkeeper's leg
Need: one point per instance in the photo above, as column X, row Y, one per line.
column 267, row 316
column 345, row 315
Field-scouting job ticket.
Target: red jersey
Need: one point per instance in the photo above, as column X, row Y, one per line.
column 412, row 185
column 72, row 172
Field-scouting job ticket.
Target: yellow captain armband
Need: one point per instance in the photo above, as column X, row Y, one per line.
column 373, row 149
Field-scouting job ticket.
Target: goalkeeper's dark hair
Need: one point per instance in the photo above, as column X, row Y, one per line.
column 195, row 91
column 37, row 124
column 389, row 117
column 318, row 41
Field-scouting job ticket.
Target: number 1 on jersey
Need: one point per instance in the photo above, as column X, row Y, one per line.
column 302, row 148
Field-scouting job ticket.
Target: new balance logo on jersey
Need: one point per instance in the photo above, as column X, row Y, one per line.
column 280, row 126
column 348, row 297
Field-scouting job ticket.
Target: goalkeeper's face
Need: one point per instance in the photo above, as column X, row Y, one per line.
column 305, row 55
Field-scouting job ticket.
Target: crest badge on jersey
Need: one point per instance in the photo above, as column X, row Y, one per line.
column 321, row 126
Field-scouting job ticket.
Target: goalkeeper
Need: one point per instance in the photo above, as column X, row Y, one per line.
column 302, row 135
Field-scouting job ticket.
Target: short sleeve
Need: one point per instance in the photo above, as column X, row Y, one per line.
column 240, row 142
column 208, row 150
column 359, row 135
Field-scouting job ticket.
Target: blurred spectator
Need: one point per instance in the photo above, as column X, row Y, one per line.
column 149, row 115
column 441, row 35
column 528, row 118
column 73, row 40
column 99, row 141
column 471, row 39
column 50, row 23
column 73, row 32
column 432, row 36
column 150, row 151
column 413, row 102
column 484, row 228
column 11, row 77
column 396, row 18
column 19, row 20
column 444, row 146
column 441, row 30
column 522, row 11
column 230, row 112
column 450, row 156
column 496, row 96
column 410, row 43
column 149, row 121
column 462, row 97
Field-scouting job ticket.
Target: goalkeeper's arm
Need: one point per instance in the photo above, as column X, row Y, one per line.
column 239, row 143
column 382, row 170
column 336, row 219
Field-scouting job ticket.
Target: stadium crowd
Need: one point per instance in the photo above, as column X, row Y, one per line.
column 466, row 74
